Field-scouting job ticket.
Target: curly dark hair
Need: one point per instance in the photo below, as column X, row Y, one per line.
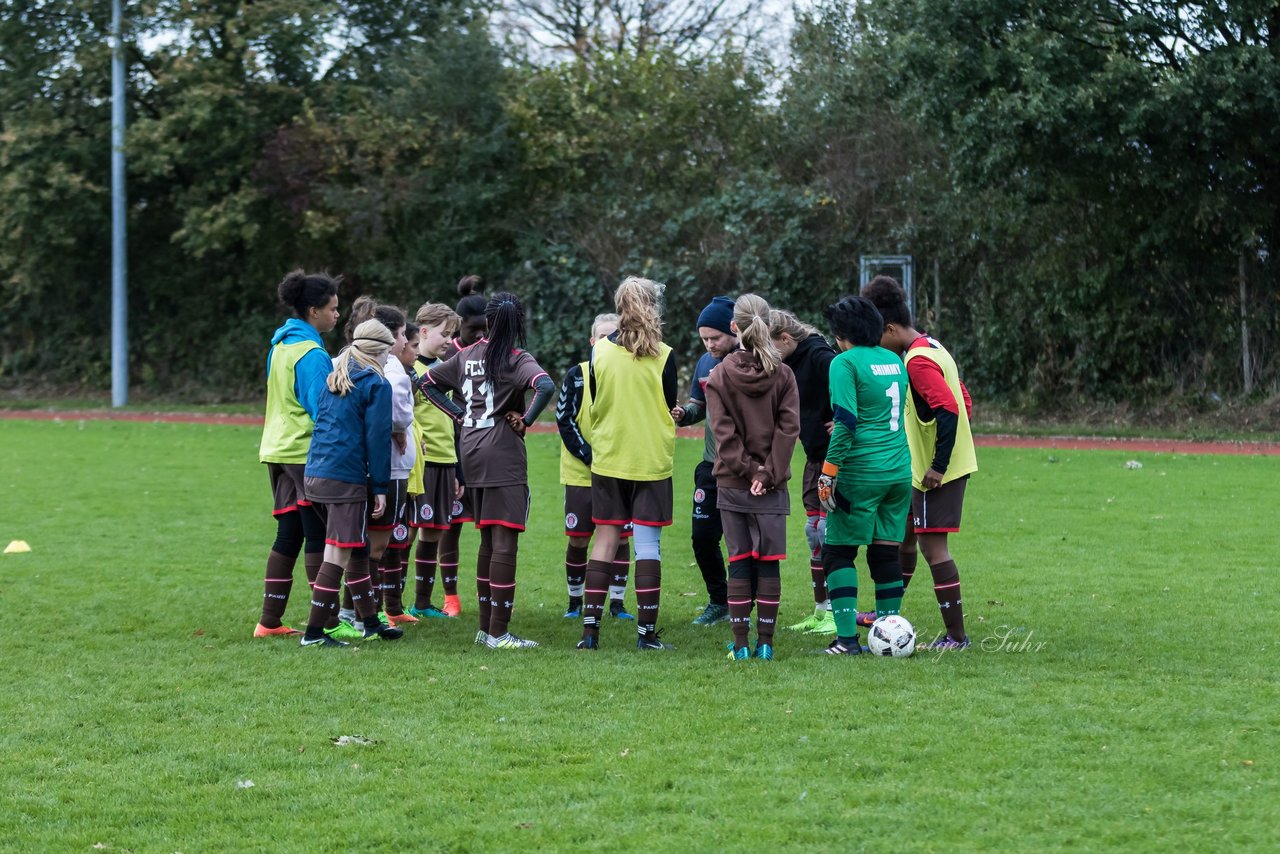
column 856, row 320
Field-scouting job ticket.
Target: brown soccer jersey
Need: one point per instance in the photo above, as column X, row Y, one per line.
column 492, row 453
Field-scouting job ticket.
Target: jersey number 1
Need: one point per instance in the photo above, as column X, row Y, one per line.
column 894, row 393
column 485, row 420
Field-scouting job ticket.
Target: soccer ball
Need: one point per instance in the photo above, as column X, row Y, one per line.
column 892, row 635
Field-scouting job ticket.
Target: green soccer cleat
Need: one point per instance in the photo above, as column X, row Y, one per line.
column 424, row 613
column 805, row 624
column 345, row 632
column 482, row 638
column 826, row 625
column 711, row 615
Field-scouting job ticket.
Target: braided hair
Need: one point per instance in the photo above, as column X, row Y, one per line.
column 505, row 314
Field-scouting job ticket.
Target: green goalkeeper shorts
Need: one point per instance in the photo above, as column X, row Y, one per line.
column 866, row 512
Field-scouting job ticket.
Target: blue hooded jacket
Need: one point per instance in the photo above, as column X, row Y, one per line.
column 311, row 370
column 352, row 439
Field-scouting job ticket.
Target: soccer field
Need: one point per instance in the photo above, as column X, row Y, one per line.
column 1122, row 691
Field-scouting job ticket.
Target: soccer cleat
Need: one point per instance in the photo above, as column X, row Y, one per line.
column 589, row 642
column 452, row 607
column 764, row 651
column 838, row 648
column 574, row 611
column 510, row 641
column 347, row 615
column 344, row 631
column 743, row 654
column 482, row 638
column 424, row 613
column 397, row 619
column 618, row 610
column 866, row 619
column 807, row 623
column 379, row 631
column 949, row 643
column 280, row 631
column 652, row 641
column 711, row 615
column 324, row 640
column 826, row 625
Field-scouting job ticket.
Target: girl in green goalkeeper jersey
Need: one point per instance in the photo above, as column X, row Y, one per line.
column 865, row 485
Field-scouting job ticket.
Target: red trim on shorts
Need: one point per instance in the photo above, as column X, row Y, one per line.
column 757, row 556
column 651, row 524
column 809, row 512
column 459, row 520
column 293, row 509
column 617, row 523
column 401, row 546
column 937, row 530
column 380, row 527
column 569, row 533
column 489, row 523
column 302, row 502
column 340, row 545
column 429, row 526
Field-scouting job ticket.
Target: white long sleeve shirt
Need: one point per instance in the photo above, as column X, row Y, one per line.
column 401, row 418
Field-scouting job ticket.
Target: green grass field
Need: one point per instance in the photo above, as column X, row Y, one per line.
column 1134, row 703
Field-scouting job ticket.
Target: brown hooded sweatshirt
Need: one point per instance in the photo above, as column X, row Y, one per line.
column 756, row 418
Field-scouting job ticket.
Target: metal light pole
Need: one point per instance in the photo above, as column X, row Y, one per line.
column 119, row 304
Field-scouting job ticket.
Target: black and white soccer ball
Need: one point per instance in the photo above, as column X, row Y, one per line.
column 892, row 635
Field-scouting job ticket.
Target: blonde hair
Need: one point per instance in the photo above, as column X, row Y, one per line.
column 435, row 313
column 782, row 322
column 639, row 317
column 751, row 315
column 369, row 344
column 601, row 320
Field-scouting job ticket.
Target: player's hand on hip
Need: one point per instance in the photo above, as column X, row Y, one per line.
column 516, row 422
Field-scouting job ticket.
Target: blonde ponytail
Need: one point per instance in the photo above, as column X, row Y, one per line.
column 751, row 315
column 782, row 322
column 639, row 318
column 369, row 343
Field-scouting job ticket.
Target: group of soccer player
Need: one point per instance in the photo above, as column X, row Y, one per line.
column 416, row 428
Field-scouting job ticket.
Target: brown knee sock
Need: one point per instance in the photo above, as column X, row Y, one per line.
column 648, row 595
column 277, row 584
column 740, row 603
column 360, row 584
column 311, row 562
column 449, row 559
column 483, row 557
column 424, row 575
column 907, row 563
column 946, row 587
column 324, row 598
column 575, row 566
column 502, row 590
column 768, row 595
column 595, row 589
column 391, row 571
